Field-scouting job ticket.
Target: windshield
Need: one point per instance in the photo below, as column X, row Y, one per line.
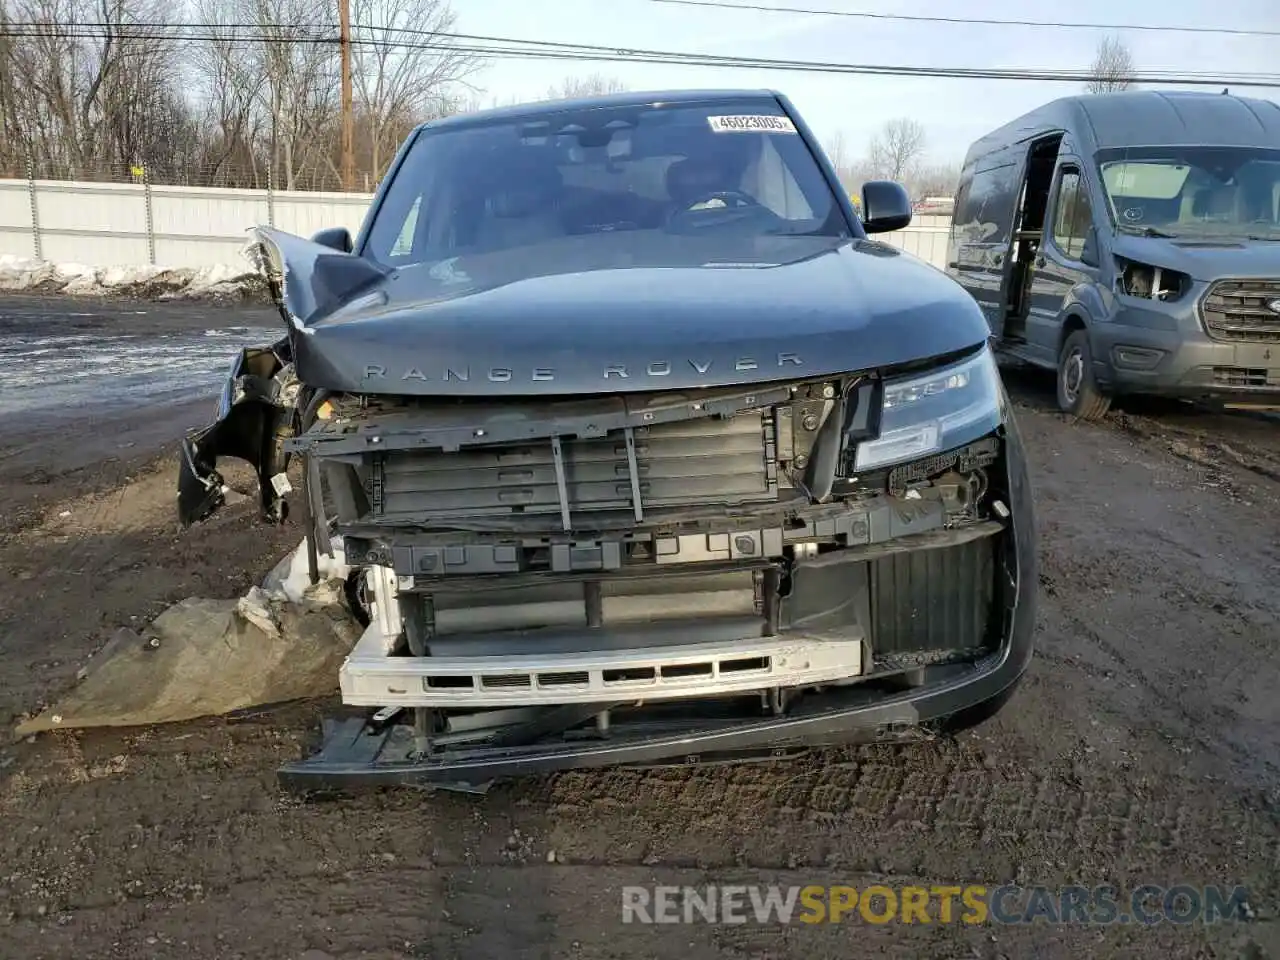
column 661, row 175
column 1229, row 192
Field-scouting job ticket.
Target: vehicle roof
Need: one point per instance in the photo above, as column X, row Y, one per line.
column 1146, row 118
column 541, row 107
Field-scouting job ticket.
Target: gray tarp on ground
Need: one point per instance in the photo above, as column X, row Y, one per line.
column 207, row 657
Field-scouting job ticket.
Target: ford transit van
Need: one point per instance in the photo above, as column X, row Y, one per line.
column 1130, row 242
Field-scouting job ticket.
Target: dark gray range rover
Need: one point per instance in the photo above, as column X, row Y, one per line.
column 643, row 451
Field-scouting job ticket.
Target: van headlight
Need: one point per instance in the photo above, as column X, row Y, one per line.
column 940, row 410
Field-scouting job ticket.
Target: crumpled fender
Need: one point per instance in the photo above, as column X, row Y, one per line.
column 255, row 417
column 308, row 280
column 258, row 410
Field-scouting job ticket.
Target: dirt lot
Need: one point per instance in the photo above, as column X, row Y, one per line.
column 1143, row 748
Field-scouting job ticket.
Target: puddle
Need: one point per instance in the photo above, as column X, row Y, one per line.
column 39, row 371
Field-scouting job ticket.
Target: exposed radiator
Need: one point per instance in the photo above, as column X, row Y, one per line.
column 933, row 599
column 706, row 461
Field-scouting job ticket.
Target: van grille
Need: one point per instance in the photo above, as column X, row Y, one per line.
column 1246, row 376
column 1242, row 310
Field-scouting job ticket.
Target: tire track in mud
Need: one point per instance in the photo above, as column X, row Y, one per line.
column 912, row 810
column 932, row 814
column 1218, row 441
column 426, row 915
column 1192, row 722
column 1193, row 676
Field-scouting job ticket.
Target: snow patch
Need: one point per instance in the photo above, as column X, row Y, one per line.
column 148, row 281
column 117, row 276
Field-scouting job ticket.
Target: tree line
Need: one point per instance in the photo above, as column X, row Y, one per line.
column 896, row 152
column 247, row 93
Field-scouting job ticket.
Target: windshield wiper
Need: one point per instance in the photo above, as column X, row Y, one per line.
column 1273, row 237
column 1148, row 232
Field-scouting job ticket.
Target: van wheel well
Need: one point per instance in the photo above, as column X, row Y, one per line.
column 1070, row 324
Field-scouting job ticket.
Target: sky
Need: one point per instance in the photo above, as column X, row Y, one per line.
column 954, row 112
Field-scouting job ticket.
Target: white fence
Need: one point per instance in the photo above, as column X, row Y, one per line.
column 129, row 224
column 927, row 238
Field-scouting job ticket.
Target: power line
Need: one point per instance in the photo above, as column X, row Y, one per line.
column 551, row 50
column 1153, row 76
column 566, row 50
column 1061, row 25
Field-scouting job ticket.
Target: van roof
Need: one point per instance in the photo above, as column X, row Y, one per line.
column 1147, row 118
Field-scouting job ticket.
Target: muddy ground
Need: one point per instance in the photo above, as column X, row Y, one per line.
column 1144, row 747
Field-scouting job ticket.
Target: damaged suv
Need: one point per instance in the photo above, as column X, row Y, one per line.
column 644, row 452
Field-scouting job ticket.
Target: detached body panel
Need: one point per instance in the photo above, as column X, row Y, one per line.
column 255, row 417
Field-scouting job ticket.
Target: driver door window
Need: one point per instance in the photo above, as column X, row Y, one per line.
column 403, row 247
column 1072, row 214
column 770, row 181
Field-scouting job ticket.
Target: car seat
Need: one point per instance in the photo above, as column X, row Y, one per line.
column 1214, row 203
column 522, row 204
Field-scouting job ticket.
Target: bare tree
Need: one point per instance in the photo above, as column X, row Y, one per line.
column 897, row 148
column 87, row 89
column 837, row 150
column 399, row 84
column 938, row 180
column 147, row 121
column 852, row 171
column 79, row 100
column 230, row 88
column 1112, row 68
column 13, row 149
column 299, row 81
column 593, row 85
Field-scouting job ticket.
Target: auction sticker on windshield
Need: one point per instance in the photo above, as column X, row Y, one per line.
column 752, row 124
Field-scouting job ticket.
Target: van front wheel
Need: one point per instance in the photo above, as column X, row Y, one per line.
column 1078, row 393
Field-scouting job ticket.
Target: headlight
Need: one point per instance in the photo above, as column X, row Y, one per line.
column 936, row 411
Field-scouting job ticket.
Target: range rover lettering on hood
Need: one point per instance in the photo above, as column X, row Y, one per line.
column 620, row 371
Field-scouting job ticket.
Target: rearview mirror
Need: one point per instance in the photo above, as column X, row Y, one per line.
column 885, row 206
column 337, row 238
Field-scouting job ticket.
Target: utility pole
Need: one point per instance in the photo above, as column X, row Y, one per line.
column 348, row 122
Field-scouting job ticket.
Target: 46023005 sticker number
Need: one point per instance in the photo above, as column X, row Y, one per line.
column 752, row 124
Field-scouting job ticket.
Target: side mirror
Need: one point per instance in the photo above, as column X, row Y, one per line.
column 337, row 238
column 885, row 206
column 1089, row 252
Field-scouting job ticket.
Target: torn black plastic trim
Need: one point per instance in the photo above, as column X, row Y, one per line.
column 255, row 418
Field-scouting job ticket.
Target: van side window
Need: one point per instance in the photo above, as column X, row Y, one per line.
column 1071, row 214
column 962, row 195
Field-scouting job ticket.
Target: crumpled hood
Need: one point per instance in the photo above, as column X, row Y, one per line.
column 1203, row 258
column 665, row 322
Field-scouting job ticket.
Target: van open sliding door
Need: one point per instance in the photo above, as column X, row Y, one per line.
column 986, row 209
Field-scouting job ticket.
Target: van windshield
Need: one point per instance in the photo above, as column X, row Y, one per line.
column 550, row 184
column 1229, row 192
